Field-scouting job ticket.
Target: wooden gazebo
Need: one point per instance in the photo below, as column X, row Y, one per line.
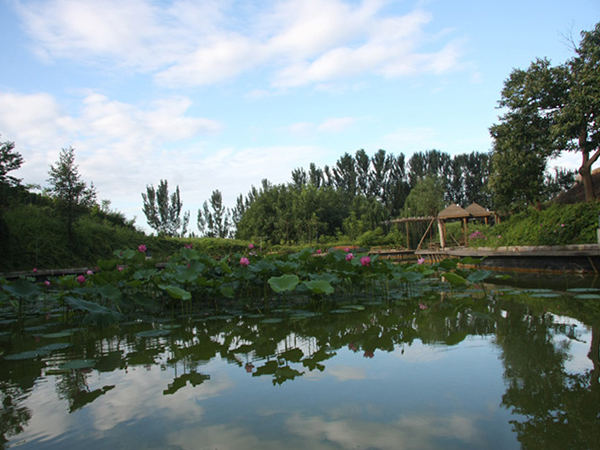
column 452, row 212
column 479, row 212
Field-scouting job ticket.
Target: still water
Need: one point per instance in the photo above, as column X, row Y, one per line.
column 503, row 368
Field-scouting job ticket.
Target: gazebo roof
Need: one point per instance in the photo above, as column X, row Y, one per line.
column 477, row 210
column 454, row 212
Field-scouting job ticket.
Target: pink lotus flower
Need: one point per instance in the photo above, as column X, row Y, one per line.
column 420, row 261
column 190, row 245
column 81, row 279
column 347, row 249
column 244, row 262
column 142, row 248
column 422, row 306
column 120, row 268
column 365, row 260
column 34, row 270
column 89, row 272
column 318, row 251
column 250, row 246
column 47, row 283
column 349, row 257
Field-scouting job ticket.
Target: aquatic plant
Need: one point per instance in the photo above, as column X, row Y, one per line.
column 133, row 283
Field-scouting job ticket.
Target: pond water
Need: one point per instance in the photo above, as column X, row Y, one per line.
column 503, row 368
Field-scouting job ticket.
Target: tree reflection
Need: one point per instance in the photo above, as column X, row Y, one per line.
column 553, row 408
column 14, row 416
column 560, row 409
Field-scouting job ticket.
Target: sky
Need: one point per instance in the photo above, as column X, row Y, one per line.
column 221, row 94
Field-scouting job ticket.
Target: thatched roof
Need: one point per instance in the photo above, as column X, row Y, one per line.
column 412, row 219
column 453, row 212
column 477, row 210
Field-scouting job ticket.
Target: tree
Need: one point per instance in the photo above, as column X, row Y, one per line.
column 577, row 116
column 215, row 223
column 72, row 195
column 426, row 198
column 163, row 212
column 9, row 160
column 551, row 109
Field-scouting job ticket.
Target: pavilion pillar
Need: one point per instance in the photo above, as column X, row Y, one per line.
column 442, row 230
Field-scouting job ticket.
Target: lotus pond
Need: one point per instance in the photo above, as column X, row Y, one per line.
column 213, row 354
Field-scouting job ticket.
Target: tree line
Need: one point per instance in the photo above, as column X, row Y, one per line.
column 547, row 110
column 355, row 195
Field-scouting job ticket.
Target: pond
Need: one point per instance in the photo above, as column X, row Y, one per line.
column 489, row 368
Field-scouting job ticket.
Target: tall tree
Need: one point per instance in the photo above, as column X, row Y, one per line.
column 72, row 195
column 163, row 213
column 315, row 176
column 559, row 106
column 344, row 175
column 362, row 164
column 577, row 117
column 9, row 160
column 216, row 220
column 430, row 162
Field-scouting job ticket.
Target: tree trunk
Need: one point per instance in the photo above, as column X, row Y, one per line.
column 586, row 167
column 588, row 184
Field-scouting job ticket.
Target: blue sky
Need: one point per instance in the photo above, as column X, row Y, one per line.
column 219, row 94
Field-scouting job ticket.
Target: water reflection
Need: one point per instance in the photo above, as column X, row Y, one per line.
column 447, row 370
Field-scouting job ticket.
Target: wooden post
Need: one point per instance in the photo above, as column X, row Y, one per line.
column 442, row 233
column 407, row 238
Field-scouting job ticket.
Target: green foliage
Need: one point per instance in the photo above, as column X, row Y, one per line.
column 72, row 195
column 130, row 282
column 38, row 239
column 163, row 212
column 556, row 225
column 9, row 160
column 549, row 109
column 216, row 220
column 426, row 198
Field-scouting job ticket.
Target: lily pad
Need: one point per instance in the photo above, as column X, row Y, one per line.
column 31, row 354
column 590, row 289
column 355, row 307
column 546, row 295
column 152, row 333
column 588, row 296
column 272, row 320
column 57, row 346
column 78, row 364
column 59, row 334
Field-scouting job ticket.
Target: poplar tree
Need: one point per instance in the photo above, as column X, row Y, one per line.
column 163, row 212
column 72, row 195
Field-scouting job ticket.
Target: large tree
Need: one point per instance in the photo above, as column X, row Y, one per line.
column 577, row 117
column 9, row 160
column 214, row 221
column 550, row 109
column 163, row 212
column 72, row 195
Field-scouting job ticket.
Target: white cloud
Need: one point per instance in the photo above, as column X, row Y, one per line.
column 337, row 125
column 409, row 432
column 122, row 148
column 347, row 373
column 188, row 43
